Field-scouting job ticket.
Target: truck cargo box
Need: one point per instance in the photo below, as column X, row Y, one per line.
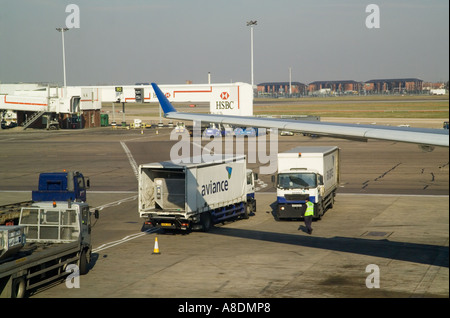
column 168, row 189
column 307, row 173
column 324, row 160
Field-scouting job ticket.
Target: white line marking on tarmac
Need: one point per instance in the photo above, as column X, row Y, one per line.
column 379, row 194
column 125, row 239
column 133, row 163
column 115, row 203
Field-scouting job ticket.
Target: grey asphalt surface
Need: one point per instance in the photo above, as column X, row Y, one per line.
column 391, row 211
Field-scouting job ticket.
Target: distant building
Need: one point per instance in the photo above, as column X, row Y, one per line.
column 335, row 87
column 345, row 87
column 395, row 85
column 281, row 88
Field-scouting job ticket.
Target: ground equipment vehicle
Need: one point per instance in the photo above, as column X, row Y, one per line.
column 306, row 173
column 50, row 236
column 52, row 186
column 194, row 195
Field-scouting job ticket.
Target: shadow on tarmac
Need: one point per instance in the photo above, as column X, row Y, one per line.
column 409, row 252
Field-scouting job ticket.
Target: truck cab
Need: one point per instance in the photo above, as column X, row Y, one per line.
column 296, row 185
column 61, row 186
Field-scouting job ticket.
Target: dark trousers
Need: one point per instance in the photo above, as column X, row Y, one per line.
column 308, row 221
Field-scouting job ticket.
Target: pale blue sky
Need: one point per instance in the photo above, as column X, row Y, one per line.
column 171, row 41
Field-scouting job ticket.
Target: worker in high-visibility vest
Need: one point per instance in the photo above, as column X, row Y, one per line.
column 308, row 215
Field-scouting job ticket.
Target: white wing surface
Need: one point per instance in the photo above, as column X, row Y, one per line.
column 421, row 136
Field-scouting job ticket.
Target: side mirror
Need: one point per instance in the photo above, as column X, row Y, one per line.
column 273, row 179
column 96, row 214
column 88, row 183
column 320, row 179
column 255, row 176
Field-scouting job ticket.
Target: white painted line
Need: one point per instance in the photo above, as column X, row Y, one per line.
column 111, row 192
column 133, row 163
column 121, row 241
column 379, row 194
column 126, row 238
column 396, row 195
column 115, row 203
column 14, row 191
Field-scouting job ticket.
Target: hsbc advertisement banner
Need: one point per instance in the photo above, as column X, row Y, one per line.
column 233, row 99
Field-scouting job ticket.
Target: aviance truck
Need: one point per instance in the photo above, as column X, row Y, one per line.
column 306, row 173
column 195, row 195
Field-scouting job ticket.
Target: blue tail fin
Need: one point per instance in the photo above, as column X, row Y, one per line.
column 163, row 101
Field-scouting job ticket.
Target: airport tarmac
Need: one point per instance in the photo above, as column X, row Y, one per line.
column 391, row 214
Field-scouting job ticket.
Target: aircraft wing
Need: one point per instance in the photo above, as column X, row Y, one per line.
column 421, row 136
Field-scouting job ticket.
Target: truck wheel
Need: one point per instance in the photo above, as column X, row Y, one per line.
column 318, row 211
column 84, row 261
column 247, row 211
column 205, row 221
column 18, row 288
column 331, row 201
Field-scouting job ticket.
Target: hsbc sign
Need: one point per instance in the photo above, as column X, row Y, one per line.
column 234, row 99
column 224, row 103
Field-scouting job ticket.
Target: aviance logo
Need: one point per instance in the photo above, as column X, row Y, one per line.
column 219, row 186
column 229, row 170
column 214, row 187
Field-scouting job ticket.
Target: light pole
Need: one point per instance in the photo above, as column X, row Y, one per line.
column 62, row 30
column 290, row 82
column 251, row 24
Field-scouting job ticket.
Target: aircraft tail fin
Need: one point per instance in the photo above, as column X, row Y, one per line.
column 163, row 101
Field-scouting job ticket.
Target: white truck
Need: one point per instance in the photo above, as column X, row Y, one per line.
column 306, row 173
column 49, row 237
column 193, row 196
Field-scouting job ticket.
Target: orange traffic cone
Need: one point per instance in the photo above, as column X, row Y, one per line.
column 156, row 248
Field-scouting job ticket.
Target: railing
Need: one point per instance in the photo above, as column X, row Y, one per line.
column 33, row 118
column 55, row 225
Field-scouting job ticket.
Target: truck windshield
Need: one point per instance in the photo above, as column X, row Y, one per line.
column 297, row 180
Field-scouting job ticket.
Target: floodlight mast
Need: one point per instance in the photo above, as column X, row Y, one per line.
column 62, row 30
column 251, row 24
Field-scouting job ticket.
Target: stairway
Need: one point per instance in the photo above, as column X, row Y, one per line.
column 33, row 118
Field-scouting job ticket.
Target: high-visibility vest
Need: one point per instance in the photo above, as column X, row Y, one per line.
column 309, row 208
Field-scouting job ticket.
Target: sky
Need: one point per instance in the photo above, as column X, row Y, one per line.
column 173, row 41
